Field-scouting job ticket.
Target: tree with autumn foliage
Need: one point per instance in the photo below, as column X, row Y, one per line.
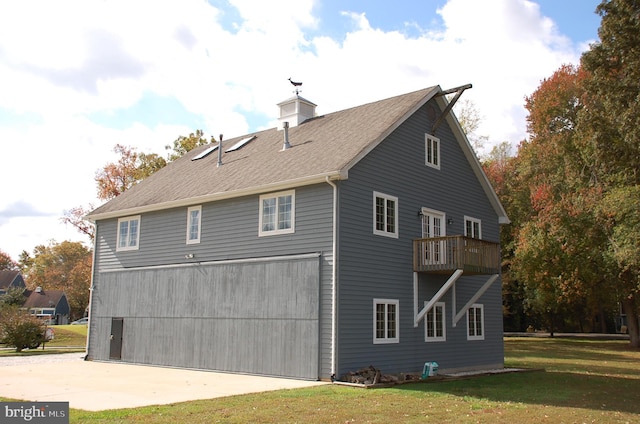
column 6, row 263
column 132, row 167
column 610, row 141
column 61, row 266
column 578, row 251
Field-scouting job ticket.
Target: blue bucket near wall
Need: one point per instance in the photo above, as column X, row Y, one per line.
column 430, row 369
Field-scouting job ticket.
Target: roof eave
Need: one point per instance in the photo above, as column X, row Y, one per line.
column 281, row 185
column 503, row 219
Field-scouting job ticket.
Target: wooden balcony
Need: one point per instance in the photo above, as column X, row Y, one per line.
column 443, row 255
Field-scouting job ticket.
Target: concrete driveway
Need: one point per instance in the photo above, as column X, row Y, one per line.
column 96, row 386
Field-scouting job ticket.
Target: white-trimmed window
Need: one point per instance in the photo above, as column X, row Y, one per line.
column 386, row 326
column 472, row 227
column 194, row 215
column 277, row 213
column 128, row 233
column 475, row 322
column 434, row 329
column 432, row 151
column 385, row 215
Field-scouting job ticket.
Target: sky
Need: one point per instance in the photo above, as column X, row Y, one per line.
column 78, row 77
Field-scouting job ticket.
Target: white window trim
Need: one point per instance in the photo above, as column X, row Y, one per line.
column 476, row 337
column 129, row 219
column 428, row 138
column 386, row 340
column 386, row 197
column 189, row 210
column 276, row 231
column 479, row 222
column 432, row 311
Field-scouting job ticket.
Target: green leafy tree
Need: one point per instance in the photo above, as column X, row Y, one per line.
column 13, row 297
column 610, row 140
column 183, row 144
column 19, row 329
column 470, row 120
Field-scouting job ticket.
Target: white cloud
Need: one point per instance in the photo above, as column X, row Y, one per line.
column 63, row 61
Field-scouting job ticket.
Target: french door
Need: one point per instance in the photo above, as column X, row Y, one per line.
column 433, row 225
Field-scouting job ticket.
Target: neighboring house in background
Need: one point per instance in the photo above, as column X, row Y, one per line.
column 49, row 305
column 367, row 236
column 9, row 280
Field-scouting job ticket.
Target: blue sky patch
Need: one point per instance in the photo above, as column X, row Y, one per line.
column 151, row 110
column 12, row 119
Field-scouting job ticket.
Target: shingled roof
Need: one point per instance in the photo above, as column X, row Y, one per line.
column 326, row 146
column 8, row 279
column 42, row 298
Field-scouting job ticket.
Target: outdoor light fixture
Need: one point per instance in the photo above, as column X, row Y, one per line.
column 189, row 256
column 450, row 221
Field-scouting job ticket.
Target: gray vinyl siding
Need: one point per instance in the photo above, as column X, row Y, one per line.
column 229, row 231
column 372, row 266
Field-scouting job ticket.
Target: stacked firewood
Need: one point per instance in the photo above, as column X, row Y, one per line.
column 368, row 376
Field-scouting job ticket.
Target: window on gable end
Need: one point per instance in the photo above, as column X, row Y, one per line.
column 385, row 215
column 432, row 151
column 128, row 237
column 194, row 219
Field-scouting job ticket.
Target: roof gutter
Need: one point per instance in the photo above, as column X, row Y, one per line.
column 281, row 185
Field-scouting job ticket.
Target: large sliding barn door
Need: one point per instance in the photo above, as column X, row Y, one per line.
column 257, row 316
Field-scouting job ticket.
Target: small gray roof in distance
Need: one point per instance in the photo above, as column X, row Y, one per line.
column 323, row 146
column 7, row 277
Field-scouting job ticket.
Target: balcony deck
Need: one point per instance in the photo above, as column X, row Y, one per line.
column 444, row 255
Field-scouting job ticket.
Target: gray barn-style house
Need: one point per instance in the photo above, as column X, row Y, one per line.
column 367, row 236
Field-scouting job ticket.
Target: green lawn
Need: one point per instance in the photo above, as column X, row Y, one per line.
column 585, row 381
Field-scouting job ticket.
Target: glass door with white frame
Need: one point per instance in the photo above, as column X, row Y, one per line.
column 433, row 225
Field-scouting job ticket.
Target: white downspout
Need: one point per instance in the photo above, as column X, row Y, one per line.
column 334, row 289
column 91, row 287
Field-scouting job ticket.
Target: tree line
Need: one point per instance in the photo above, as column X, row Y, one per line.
column 572, row 253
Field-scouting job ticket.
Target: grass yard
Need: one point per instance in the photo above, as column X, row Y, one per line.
column 586, row 381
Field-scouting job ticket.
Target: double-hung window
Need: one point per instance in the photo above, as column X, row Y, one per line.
column 434, row 324
column 432, row 151
column 277, row 213
column 194, row 215
column 385, row 215
column 128, row 233
column 385, row 321
column 475, row 322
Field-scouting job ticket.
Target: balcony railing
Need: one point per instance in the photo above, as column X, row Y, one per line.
column 441, row 255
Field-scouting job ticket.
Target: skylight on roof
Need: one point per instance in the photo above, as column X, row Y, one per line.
column 240, row 143
column 205, row 152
